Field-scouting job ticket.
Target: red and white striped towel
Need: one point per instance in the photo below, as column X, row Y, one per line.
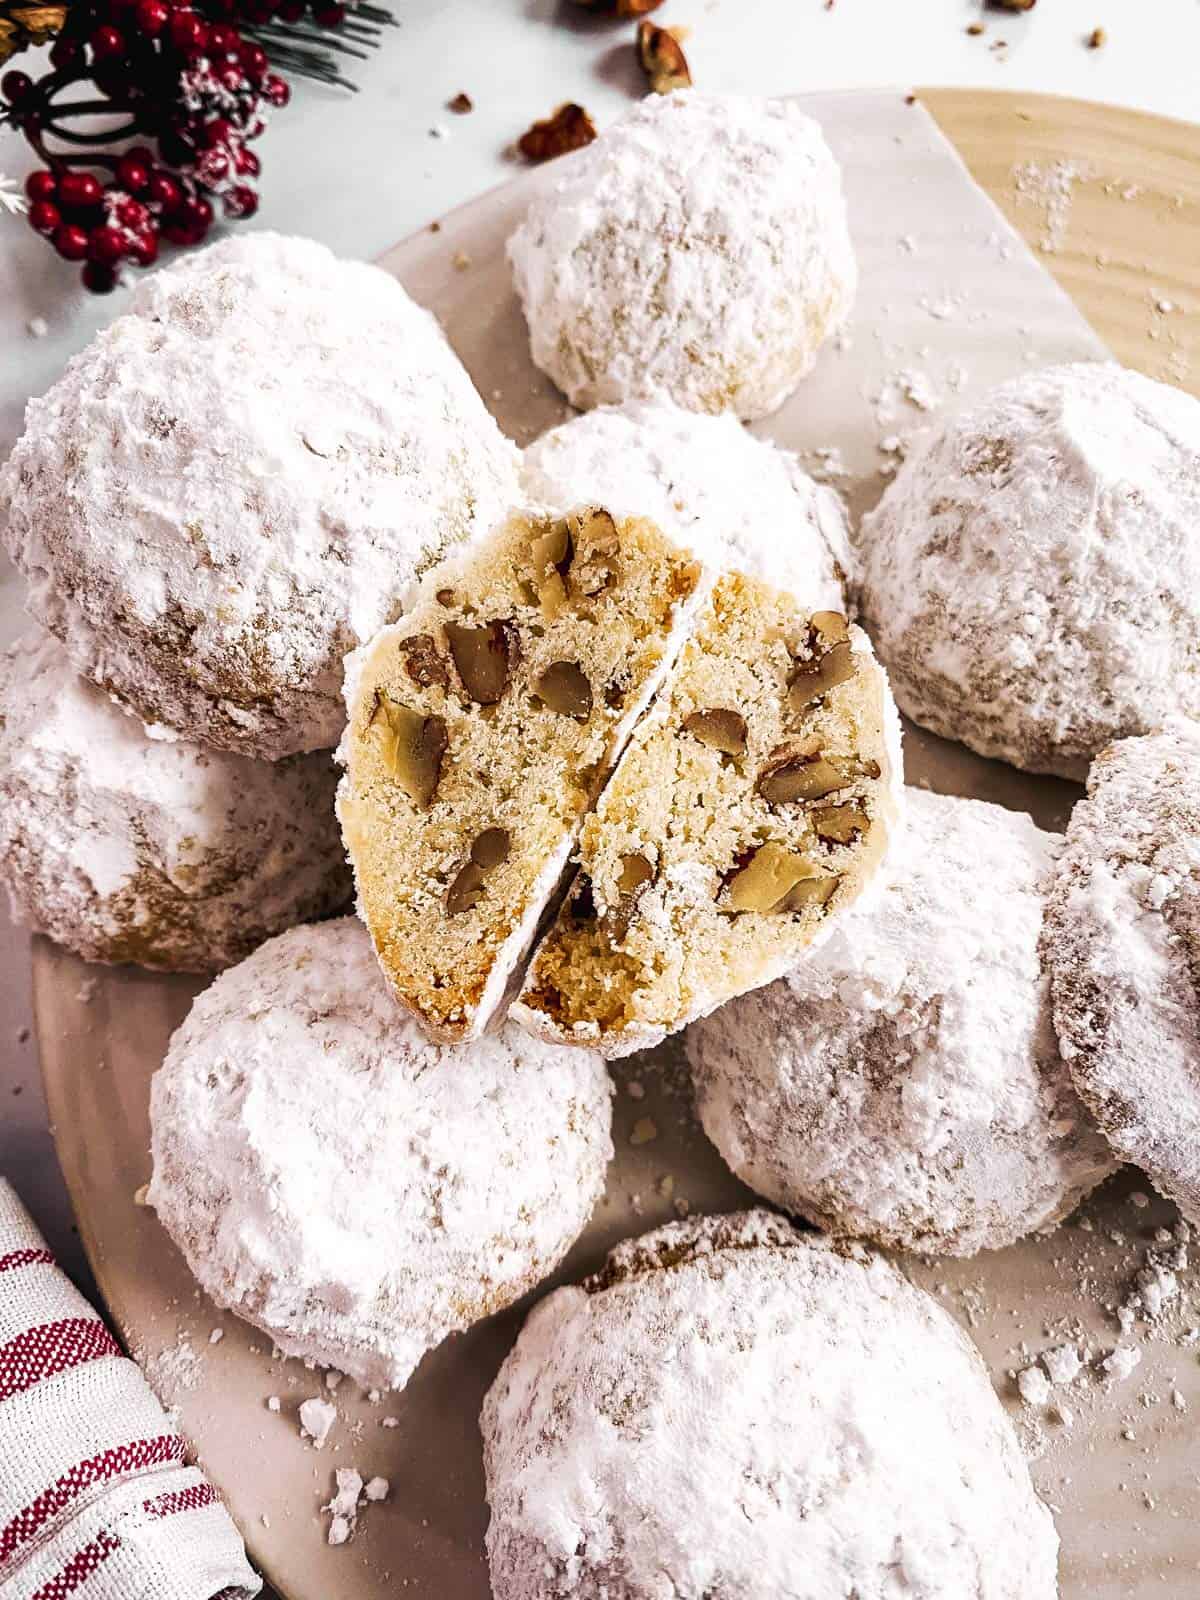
column 97, row 1501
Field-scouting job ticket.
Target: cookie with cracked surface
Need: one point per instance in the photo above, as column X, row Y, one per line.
column 353, row 1190
column 753, row 805
column 904, row 1083
column 739, row 502
column 698, row 251
column 1122, row 941
column 167, row 854
column 1031, row 577
column 481, row 728
column 209, row 527
column 731, row 1408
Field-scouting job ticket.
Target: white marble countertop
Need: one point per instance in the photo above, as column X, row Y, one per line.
column 360, row 172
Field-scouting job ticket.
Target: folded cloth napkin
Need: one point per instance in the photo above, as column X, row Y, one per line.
column 97, row 1501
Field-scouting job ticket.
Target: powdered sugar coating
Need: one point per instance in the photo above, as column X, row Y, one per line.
column 1123, row 943
column 1031, row 578
column 351, row 1188
column 238, row 481
column 737, row 501
column 697, row 251
column 127, row 848
column 732, row 1408
column 904, row 1084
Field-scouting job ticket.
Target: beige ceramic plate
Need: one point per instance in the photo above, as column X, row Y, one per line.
column 950, row 302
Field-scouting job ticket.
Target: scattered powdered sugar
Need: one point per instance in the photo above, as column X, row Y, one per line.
column 698, row 250
column 348, row 1186
column 903, row 1083
column 739, row 502
column 351, row 1497
column 726, row 1382
column 1122, row 932
column 1051, row 187
column 317, row 1418
column 209, row 525
column 126, row 848
column 1031, row 576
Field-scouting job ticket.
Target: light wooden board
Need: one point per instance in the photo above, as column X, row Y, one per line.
column 949, row 295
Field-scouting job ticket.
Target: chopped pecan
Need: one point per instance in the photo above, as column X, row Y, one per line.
column 484, row 657
column 570, row 128
column 662, row 59
column 412, row 747
column 423, row 661
column 719, row 729
column 565, row 689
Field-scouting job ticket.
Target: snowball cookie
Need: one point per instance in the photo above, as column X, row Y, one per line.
column 1031, row 577
column 1123, row 942
column 236, row 483
column 353, row 1190
column 737, row 501
column 732, row 1408
column 904, row 1084
column 698, row 251
column 127, row 848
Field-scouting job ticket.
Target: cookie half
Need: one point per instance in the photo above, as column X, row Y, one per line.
column 1122, row 941
column 754, row 803
column 481, row 729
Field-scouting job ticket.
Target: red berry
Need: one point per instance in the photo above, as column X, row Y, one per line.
column 222, row 39
column 65, row 52
column 133, row 173
column 79, row 190
column 198, row 213
column 144, row 248
column 233, row 79
column 71, row 242
column 254, row 60
column 107, row 43
column 241, row 201
column 217, row 132
column 152, row 17
column 99, row 277
column 15, row 87
column 247, row 163
column 131, row 214
column 105, row 245
column 165, row 192
column 188, row 33
column 292, row 10
column 276, row 90
column 44, row 216
column 41, row 184
column 212, row 167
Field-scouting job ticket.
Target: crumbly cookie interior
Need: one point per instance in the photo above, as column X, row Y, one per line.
column 481, row 729
column 751, row 805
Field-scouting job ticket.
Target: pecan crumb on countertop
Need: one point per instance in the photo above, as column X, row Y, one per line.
column 1097, row 39
column 662, row 58
column 621, row 8
column 461, row 104
column 570, row 128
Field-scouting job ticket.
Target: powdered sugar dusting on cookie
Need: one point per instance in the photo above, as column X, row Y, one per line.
column 697, row 251
column 1123, row 943
column 732, row 1407
column 126, row 848
column 354, row 1190
column 1031, row 578
column 737, row 501
column 238, row 481
column 903, row 1083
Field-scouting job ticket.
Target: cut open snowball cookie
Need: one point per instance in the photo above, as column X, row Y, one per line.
column 1123, row 943
column 350, row 1188
column 1031, row 578
column 127, row 848
column 739, row 502
column 754, row 804
column 238, row 482
column 732, row 1408
column 697, row 251
column 904, row 1084
column 481, row 728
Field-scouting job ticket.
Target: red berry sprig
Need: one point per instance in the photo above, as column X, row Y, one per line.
column 196, row 90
